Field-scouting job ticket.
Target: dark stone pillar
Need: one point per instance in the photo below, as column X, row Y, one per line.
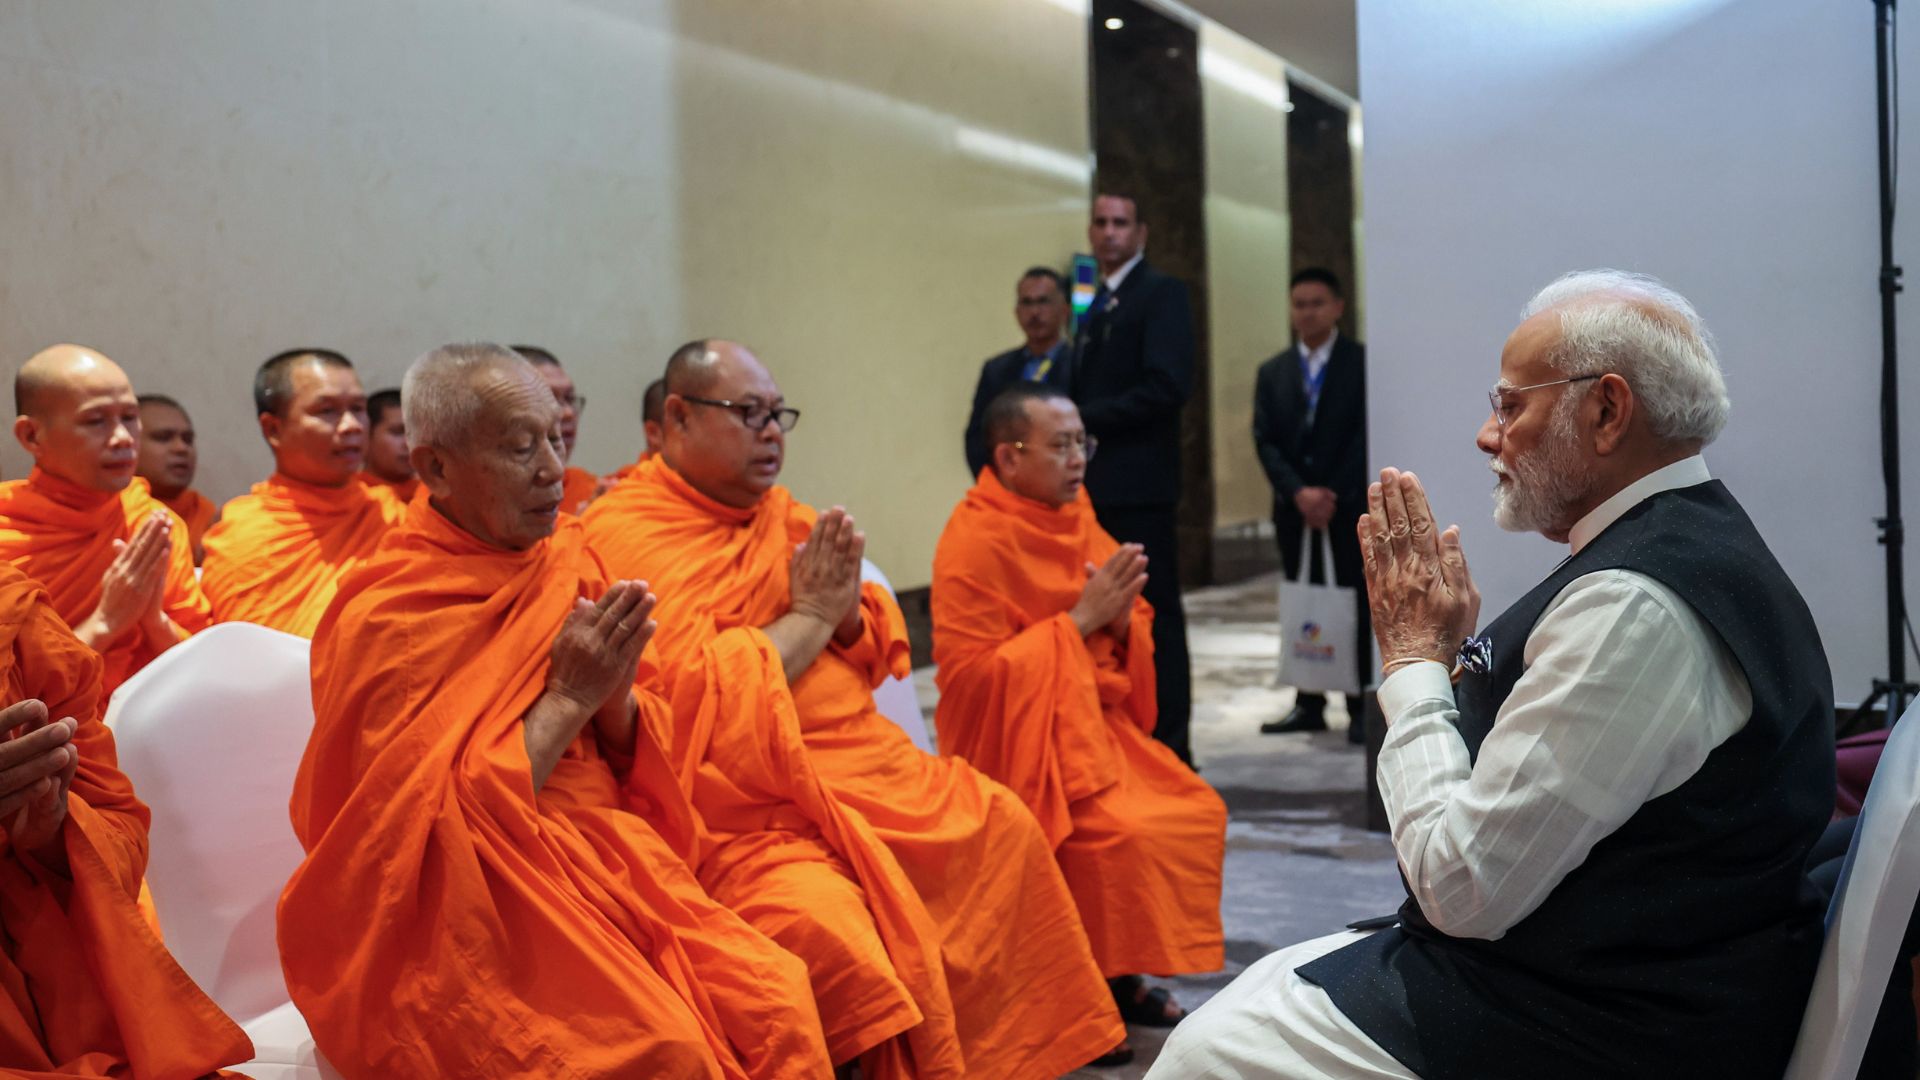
column 1320, row 189
column 1147, row 138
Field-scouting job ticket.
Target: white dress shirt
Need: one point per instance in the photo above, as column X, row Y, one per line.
column 1114, row 279
column 1316, row 363
column 1316, row 359
column 1626, row 692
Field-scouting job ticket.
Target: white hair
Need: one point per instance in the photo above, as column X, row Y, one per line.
column 1634, row 326
column 437, row 398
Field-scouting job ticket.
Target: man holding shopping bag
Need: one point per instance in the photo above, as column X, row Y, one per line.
column 1310, row 428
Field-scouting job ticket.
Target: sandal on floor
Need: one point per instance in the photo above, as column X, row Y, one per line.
column 1146, row 1010
column 1120, row 1055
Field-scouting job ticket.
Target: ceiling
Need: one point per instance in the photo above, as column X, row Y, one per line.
column 1316, row 36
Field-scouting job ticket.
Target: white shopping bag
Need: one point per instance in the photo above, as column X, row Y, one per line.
column 1317, row 627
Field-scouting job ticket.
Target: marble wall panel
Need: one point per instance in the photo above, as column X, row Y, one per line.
column 1149, row 137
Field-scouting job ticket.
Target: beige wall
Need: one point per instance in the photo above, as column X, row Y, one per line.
column 1243, row 92
column 849, row 185
column 856, row 227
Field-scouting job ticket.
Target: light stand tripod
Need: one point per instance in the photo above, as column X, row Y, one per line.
column 1895, row 688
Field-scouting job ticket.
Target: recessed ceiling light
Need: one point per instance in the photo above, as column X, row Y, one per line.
column 1116, row 23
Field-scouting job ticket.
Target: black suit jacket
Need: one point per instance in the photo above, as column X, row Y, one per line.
column 996, row 375
column 1132, row 372
column 1329, row 453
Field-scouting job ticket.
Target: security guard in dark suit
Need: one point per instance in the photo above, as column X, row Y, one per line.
column 1040, row 306
column 1132, row 373
column 1310, row 428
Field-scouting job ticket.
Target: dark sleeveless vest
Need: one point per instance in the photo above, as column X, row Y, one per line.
column 1685, row 944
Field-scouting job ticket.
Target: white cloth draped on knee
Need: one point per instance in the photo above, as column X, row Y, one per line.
column 1271, row 1023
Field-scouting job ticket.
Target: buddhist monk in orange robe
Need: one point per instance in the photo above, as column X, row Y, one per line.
column 581, row 487
column 497, row 879
column 718, row 536
column 282, row 549
column 387, row 463
column 168, row 459
column 1045, row 658
column 117, row 565
column 86, row 988
column 807, row 871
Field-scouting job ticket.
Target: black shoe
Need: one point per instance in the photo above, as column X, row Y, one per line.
column 1357, row 731
column 1298, row 720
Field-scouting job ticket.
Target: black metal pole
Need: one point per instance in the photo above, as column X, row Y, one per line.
column 1892, row 529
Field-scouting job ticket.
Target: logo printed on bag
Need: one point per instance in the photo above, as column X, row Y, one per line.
column 1307, row 644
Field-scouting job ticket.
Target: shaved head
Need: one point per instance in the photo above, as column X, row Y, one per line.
column 37, row 386
column 653, row 413
column 273, row 383
column 653, row 402
column 536, row 355
column 438, row 402
column 484, row 437
column 691, row 368
column 78, row 417
column 1008, row 419
column 378, row 403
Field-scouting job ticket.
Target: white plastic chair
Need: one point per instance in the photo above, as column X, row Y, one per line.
column 896, row 698
column 1879, row 882
column 211, row 735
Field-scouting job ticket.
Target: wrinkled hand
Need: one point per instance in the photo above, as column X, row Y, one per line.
column 597, row 652
column 36, row 772
column 134, row 584
column 824, row 576
column 1106, row 602
column 1423, row 600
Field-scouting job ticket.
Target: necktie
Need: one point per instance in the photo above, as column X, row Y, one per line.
column 1313, row 380
column 1095, row 313
column 1038, row 366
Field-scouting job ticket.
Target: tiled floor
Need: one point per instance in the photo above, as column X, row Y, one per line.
column 1299, row 864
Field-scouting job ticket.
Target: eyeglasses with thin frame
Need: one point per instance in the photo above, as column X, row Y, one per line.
column 1064, row 447
column 1497, row 395
column 578, row 402
column 753, row 414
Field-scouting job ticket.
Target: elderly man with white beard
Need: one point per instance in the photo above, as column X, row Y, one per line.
column 1603, row 802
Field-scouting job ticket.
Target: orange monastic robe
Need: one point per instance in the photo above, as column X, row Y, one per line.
column 1028, row 999
column 449, row 920
column 1067, row 723
column 198, row 512
column 402, row 491
column 86, row 987
column 578, row 489
column 61, row 535
column 282, row 549
column 807, row 871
